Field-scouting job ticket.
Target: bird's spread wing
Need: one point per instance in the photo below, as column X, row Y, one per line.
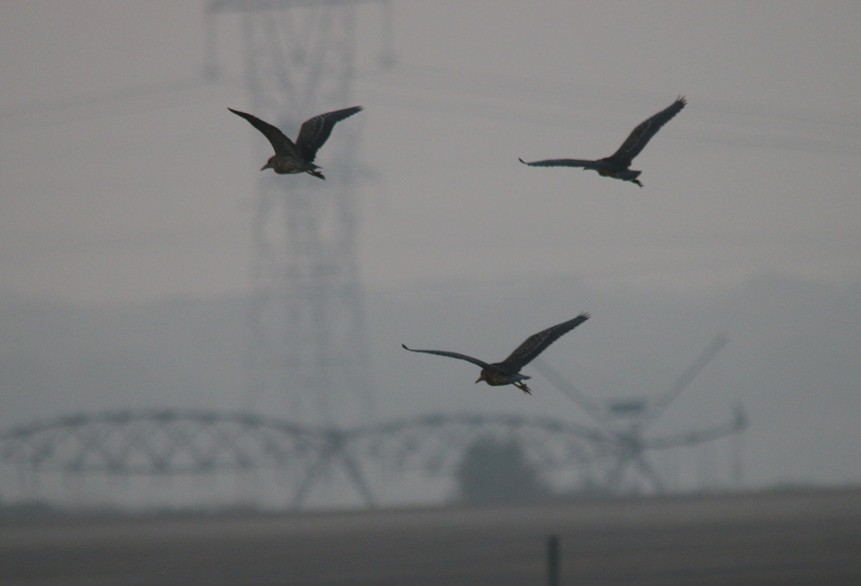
column 315, row 131
column 537, row 343
column 643, row 133
column 563, row 163
column 278, row 139
column 475, row 361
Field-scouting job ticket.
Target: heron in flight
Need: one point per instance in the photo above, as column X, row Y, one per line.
column 298, row 157
column 618, row 164
column 507, row 372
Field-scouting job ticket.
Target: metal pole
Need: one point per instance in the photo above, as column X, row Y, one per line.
column 553, row 560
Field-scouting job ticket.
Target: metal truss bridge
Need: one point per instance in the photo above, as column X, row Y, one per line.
column 187, row 442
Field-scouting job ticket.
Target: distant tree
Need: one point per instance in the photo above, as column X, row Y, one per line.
column 497, row 470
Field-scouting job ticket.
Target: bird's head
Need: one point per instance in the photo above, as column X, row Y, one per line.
column 269, row 164
column 481, row 377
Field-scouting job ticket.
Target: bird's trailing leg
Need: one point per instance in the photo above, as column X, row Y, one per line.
column 522, row 386
column 630, row 175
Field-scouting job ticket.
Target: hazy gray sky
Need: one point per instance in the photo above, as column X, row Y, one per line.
column 117, row 183
column 124, row 179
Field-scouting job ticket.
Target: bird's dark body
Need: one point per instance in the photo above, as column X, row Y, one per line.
column 496, row 376
column 507, row 372
column 617, row 165
column 298, row 157
column 624, row 174
column 284, row 166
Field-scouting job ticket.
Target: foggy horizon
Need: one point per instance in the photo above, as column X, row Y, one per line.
column 129, row 191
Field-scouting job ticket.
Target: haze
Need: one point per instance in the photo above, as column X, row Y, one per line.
column 126, row 191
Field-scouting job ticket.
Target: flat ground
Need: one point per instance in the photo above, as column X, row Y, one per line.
column 793, row 538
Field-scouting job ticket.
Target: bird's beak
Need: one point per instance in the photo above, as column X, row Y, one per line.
column 480, row 378
column 268, row 165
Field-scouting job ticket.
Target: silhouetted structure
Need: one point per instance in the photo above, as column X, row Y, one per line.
column 308, row 343
column 173, row 443
column 627, row 420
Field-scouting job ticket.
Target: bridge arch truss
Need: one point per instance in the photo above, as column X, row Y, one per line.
column 181, row 443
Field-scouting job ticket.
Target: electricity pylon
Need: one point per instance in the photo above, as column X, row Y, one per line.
column 308, row 341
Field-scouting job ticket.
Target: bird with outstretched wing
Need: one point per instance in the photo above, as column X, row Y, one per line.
column 618, row 164
column 298, row 157
column 507, row 372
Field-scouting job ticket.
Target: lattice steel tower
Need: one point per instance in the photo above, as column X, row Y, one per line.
column 306, row 317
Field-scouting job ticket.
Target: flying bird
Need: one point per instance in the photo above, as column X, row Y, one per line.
column 507, row 372
column 617, row 165
column 298, row 157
